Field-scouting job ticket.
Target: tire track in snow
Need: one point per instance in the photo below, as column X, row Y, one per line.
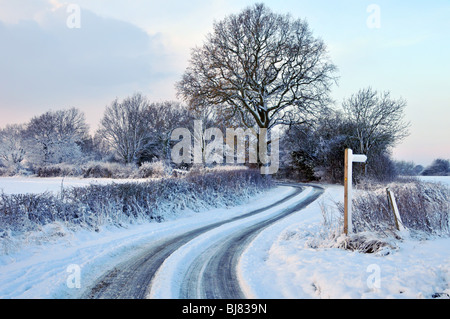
column 213, row 274
column 133, row 278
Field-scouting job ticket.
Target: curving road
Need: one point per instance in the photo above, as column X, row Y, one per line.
column 211, row 275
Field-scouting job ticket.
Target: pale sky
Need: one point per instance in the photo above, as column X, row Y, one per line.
column 144, row 46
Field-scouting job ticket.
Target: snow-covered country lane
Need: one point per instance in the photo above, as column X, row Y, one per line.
column 207, row 267
column 201, row 263
column 289, row 259
column 57, row 263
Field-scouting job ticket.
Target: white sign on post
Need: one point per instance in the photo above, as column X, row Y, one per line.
column 350, row 158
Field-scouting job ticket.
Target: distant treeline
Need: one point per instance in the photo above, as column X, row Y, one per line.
column 439, row 167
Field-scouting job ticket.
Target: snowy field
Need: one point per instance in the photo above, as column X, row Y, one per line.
column 23, row 185
column 437, row 179
column 279, row 263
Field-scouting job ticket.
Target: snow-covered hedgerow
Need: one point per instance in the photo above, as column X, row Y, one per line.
column 94, row 169
column 423, row 208
column 108, row 170
column 122, row 204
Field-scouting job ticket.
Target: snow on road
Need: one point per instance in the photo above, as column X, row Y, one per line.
column 167, row 283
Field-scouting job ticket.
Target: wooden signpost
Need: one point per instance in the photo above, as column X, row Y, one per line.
column 350, row 158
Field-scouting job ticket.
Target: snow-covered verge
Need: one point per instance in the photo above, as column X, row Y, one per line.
column 47, row 269
column 296, row 259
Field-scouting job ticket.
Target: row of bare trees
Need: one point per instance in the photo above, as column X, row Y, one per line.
column 369, row 122
column 138, row 131
column 131, row 131
column 257, row 69
column 52, row 137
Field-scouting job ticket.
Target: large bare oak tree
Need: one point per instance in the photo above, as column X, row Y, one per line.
column 261, row 67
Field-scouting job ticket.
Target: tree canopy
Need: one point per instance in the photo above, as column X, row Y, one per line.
column 264, row 68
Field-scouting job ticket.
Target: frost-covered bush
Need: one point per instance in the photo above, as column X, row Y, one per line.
column 8, row 171
column 108, row 170
column 152, row 170
column 93, row 169
column 25, row 212
column 202, row 170
column 423, row 207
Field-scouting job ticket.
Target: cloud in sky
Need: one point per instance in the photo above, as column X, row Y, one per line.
column 15, row 11
column 45, row 64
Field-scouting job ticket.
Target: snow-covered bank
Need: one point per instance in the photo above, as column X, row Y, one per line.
column 287, row 261
column 43, row 271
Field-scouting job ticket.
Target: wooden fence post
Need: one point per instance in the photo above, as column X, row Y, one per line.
column 394, row 207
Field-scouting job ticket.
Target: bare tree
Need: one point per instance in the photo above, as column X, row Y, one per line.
column 124, row 127
column 55, row 137
column 265, row 68
column 378, row 119
column 317, row 151
column 12, row 146
column 162, row 119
